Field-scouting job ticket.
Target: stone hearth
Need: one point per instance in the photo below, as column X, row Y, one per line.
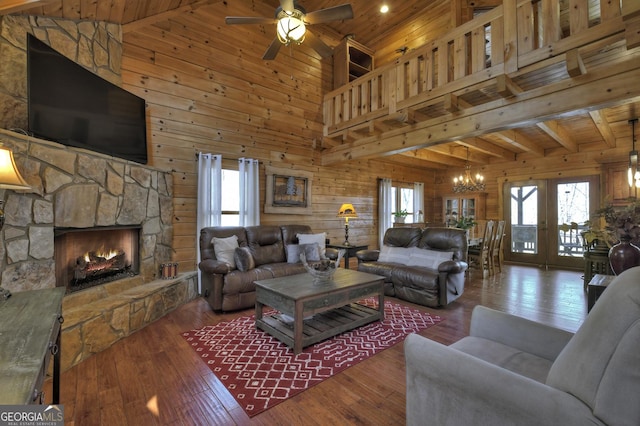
column 96, row 318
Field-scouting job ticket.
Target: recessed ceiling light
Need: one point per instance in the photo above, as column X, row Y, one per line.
column 384, row 8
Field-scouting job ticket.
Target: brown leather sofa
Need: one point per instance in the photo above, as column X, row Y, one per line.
column 227, row 288
column 428, row 268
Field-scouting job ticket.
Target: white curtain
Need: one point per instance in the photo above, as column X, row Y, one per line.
column 249, row 192
column 385, row 207
column 209, row 197
column 418, row 201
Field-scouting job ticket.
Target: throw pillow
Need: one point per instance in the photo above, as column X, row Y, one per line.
column 319, row 239
column 394, row 254
column 243, row 258
column 428, row 258
column 225, row 248
column 293, row 253
column 311, row 252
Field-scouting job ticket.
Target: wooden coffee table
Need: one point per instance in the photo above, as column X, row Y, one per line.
column 315, row 312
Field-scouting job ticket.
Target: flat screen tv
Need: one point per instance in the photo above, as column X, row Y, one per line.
column 71, row 105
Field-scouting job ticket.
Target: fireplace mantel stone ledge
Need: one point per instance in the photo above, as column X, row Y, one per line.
column 96, row 318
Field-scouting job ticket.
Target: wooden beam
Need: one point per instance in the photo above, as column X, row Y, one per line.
column 603, row 127
column 630, row 9
column 519, row 140
column 506, row 87
column 14, row 6
column 451, row 103
column 632, row 32
column 407, row 159
column 488, row 148
column 575, row 65
column 459, row 152
column 559, row 134
column 434, row 157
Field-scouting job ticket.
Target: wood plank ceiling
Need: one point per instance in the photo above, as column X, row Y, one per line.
column 582, row 131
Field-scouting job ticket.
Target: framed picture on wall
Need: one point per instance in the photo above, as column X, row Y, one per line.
column 288, row 191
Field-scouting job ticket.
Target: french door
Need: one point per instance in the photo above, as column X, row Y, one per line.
column 545, row 218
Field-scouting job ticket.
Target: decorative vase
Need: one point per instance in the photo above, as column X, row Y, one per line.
column 623, row 256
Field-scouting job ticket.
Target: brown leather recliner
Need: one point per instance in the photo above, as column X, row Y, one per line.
column 435, row 283
column 228, row 289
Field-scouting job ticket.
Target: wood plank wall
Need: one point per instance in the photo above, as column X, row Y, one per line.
column 208, row 91
column 425, row 26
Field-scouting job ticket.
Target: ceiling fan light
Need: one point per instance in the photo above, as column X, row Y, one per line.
column 291, row 29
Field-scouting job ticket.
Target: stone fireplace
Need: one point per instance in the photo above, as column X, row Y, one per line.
column 88, row 257
column 76, row 193
column 76, row 190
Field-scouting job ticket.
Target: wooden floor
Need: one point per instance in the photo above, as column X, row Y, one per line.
column 154, row 378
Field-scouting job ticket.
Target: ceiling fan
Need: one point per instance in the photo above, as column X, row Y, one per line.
column 291, row 20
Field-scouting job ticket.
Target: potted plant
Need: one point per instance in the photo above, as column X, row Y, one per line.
column 400, row 216
column 465, row 222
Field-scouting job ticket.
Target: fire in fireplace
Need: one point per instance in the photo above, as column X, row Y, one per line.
column 88, row 257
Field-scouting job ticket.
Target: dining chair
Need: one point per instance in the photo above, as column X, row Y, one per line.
column 497, row 256
column 480, row 255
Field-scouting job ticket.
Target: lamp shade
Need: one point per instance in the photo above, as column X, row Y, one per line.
column 347, row 211
column 10, row 177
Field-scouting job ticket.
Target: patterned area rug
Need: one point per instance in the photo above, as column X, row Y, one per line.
column 261, row 372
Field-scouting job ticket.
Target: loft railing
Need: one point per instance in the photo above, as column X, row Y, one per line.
column 500, row 42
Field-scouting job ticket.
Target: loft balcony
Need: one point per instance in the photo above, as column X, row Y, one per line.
column 521, row 63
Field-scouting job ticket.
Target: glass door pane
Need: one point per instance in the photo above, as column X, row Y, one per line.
column 572, row 201
column 469, row 207
column 451, row 211
column 525, row 216
column 524, row 219
column 545, row 219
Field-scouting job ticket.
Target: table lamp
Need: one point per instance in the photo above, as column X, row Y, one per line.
column 347, row 211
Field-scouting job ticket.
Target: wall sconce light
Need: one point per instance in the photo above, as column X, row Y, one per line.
column 347, row 211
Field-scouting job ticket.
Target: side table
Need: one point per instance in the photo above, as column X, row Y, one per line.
column 349, row 251
column 30, row 323
column 596, row 262
column 596, row 286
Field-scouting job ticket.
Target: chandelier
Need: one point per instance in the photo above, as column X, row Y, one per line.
column 633, row 174
column 467, row 183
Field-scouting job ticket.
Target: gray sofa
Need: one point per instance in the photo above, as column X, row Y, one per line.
column 422, row 266
column 512, row 371
column 263, row 249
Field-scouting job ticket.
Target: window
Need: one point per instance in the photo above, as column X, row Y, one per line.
column 402, row 198
column 230, row 198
